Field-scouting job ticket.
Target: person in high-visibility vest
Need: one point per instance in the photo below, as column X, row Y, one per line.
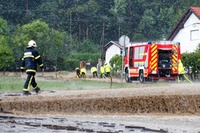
column 78, row 73
column 83, row 72
column 181, row 71
column 94, row 72
column 102, row 72
column 107, row 68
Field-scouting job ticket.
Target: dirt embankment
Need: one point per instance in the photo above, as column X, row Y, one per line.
column 171, row 107
column 170, row 99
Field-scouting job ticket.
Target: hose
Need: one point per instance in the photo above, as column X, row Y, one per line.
column 187, row 78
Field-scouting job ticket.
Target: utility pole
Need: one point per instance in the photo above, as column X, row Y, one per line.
column 79, row 29
column 26, row 6
column 102, row 45
column 70, row 28
column 87, row 30
column 119, row 30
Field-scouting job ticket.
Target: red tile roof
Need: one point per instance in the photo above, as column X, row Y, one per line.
column 195, row 10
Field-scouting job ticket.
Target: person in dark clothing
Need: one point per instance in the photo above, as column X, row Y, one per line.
column 181, row 71
column 83, row 72
column 30, row 60
column 78, row 75
column 94, row 72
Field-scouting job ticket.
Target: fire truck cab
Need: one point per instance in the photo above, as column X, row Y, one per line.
column 151, row 61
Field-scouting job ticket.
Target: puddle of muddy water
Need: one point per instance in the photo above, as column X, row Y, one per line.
column 97, row 124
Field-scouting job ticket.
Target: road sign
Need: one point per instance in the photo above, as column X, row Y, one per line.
column 124, row 40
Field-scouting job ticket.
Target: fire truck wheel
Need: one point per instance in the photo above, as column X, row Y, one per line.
column 141, row 77
column 128, row 80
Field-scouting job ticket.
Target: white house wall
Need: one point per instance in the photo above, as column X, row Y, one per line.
column 111, row 51
column 191, row 26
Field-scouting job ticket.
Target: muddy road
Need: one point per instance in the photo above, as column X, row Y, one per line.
column 56, row 123
column 172, row 108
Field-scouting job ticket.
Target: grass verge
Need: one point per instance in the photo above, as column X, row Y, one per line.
column 15, row 84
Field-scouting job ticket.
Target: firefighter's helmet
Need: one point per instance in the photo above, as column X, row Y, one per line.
column 32, row 43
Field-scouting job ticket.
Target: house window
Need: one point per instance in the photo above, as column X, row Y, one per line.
column 194, row 35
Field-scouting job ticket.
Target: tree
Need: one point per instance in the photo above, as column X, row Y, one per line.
column 116, row 62
column 147, row 23
column 6, row 54
column 191, row 63
column 49, row 41
column 84, row 51
column 74, row 21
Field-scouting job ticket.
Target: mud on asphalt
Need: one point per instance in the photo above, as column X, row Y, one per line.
column 171, row 99
column 55, row 124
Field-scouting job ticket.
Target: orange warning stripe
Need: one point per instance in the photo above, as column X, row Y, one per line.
column 154, row 57
column 175, row 57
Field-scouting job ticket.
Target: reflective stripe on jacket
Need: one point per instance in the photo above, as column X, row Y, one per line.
column 30, row 60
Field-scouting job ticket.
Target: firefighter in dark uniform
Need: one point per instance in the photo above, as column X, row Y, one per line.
column 30, row 60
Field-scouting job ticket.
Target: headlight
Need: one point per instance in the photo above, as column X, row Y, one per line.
column 153, row 71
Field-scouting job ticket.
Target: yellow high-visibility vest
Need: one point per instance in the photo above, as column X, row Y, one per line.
column 83, row 70
column 180, row 68
column 102, row 69
column 93, row 69
column 107, row 67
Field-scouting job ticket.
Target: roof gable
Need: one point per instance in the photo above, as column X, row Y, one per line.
column 180, row 25
column 196, row 11
column 112, row 43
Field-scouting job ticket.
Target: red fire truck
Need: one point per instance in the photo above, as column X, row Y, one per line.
column 151, row 61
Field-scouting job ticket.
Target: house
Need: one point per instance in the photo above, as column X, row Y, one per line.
column 187, row 31
column 111, row 49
